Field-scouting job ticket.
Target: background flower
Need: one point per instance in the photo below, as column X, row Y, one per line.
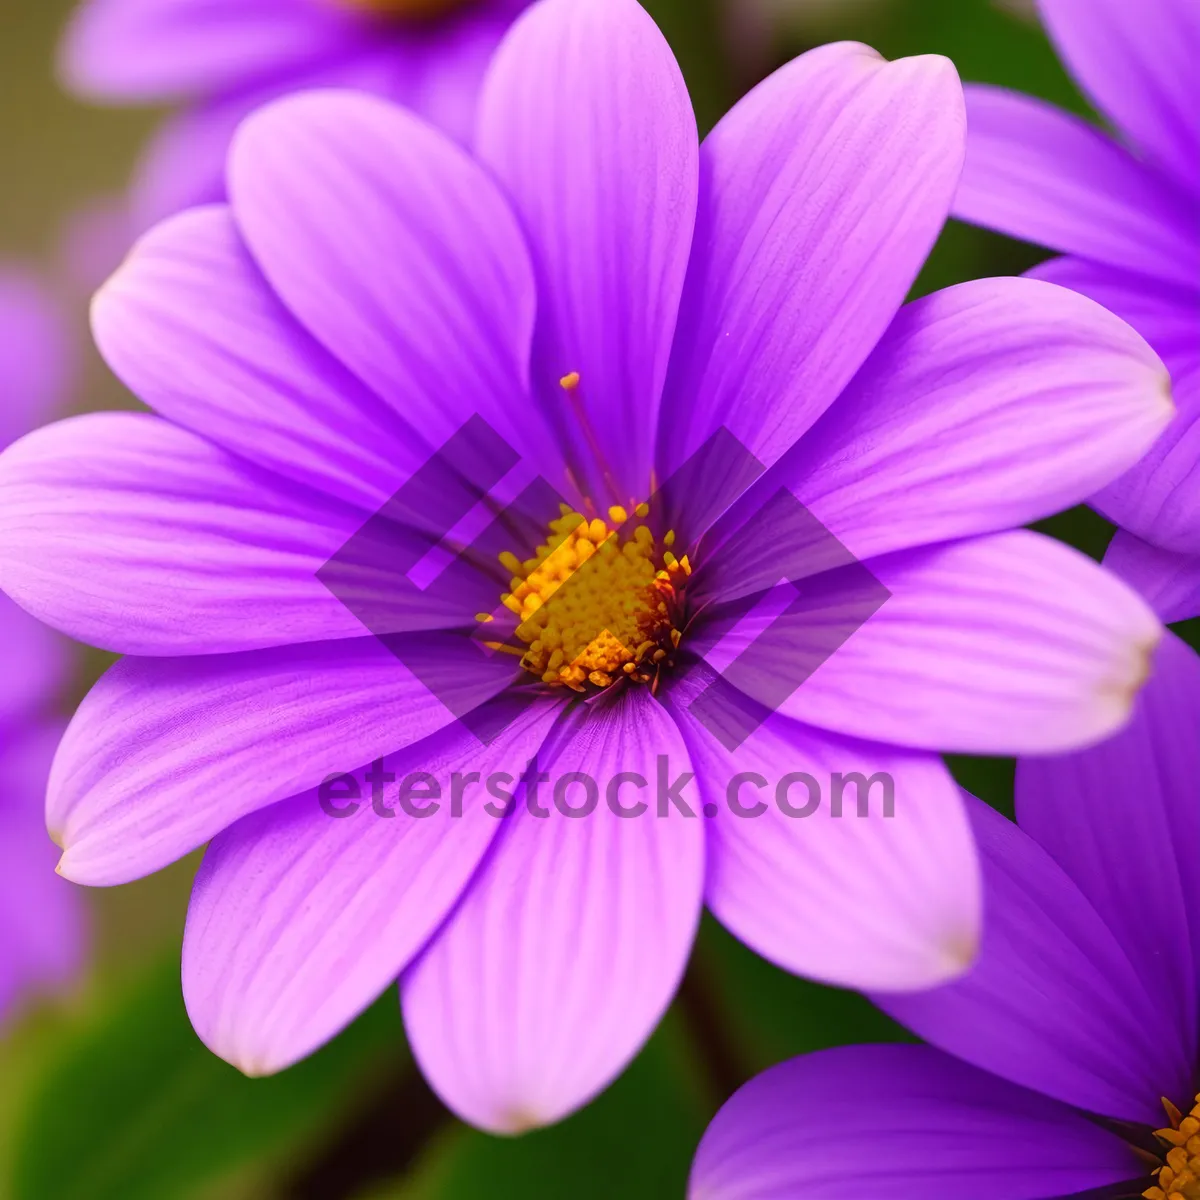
column 41, row 927
column 1125, row 211
column 1077, row 1022
column 225, row 58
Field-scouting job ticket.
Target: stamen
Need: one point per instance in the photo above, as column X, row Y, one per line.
column 570, row 384
column 594, row 606
column 1179, row 1177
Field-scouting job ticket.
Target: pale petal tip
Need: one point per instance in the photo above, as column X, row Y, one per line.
column 519, row 1121
column 1119, row 693
column 1141, row 667
column 959, row 952
column 1166, row 393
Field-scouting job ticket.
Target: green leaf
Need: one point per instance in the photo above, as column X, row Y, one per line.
column 130, row 1105
column 636, row 1140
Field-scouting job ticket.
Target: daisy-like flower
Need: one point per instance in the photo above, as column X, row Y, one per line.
column 1067, row 1062
column 224, row 58
column 1124, row 211
column 41, row 935
column 608, row 298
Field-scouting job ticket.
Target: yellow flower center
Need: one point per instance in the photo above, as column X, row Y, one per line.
column 1179, row 1177
column 599, row 601
column 412, row 9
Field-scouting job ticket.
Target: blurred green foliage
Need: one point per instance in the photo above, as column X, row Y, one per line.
column 129, row 1105
column 113, row 1098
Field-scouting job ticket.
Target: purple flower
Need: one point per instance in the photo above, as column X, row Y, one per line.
column 1126, row 213
column 40, row 925
column 1048, row 1065
column 225, row 58
column 606, row 295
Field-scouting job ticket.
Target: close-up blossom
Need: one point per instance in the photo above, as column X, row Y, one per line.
column 599, row 598
column 590, row 286
column 221, row 59
column 1066, row 1064
column 1122, row 206
column 41, row 924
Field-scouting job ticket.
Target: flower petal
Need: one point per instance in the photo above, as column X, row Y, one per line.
column 886, row 900
column 193, row 329
column 399, row 254
column 800, row 1132
column 822, row 192
column 1139, row 65
column 1159, row 497
column 586, row 121
column 165, row 753
column 1170, row 582
column 137, row 536
column 571, row 941
column 1053, row 1003
column 1036, row 173
column 1168, row 317
column 1122, row 820
column 140, row 50
column 932, row 440
column 299, row 920
column 1011, row 643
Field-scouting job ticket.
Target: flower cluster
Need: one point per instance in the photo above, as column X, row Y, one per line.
column 498, row 424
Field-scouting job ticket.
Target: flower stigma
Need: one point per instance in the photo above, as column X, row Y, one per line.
column 1179, row 1177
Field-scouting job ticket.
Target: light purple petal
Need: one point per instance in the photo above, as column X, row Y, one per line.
column 899, row 1123
column 400, row 254
column 1011, row 643
column 37, row 359
column 42, row 923
column 1138, row 63
column 1053, row 1003
column 571, row 942
column 1122, row 820
column 163, row 754
column 586, row 120
column 1036, row 173
column 1170, row 582
column 1159, row 498
column 822, row 193
column 193, row 329
column 890, row 900
column 137, row 536
column 985, row 407
column 140, row 50
column 299, row 920
column 1166, row 315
